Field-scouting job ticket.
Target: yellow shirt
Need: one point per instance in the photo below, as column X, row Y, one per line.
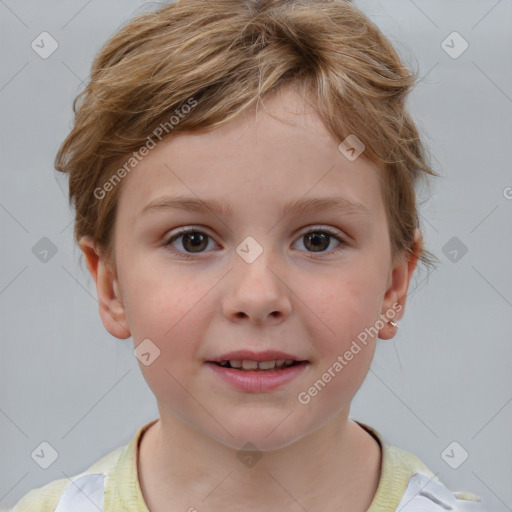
column 115, row 480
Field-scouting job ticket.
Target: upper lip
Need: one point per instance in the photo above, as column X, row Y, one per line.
column 249, row 355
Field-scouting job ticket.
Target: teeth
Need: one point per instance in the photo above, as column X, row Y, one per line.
column 266, row 365
column 247, row 364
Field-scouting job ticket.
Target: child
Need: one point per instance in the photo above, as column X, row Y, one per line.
column 243, row 176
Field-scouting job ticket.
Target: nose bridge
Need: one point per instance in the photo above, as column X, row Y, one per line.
column 256, row 266
column 256, row 290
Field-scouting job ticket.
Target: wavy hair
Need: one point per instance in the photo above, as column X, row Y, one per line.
column 227, row 55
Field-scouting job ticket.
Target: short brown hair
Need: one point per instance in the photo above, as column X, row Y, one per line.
column 227, row 55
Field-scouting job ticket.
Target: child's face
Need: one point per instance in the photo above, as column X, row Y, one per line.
column 291, row 298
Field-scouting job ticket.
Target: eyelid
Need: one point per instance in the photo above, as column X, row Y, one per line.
column 302, row 231
column 320, row 227
column 176, row 233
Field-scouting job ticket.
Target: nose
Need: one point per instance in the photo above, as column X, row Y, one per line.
column 256, row 293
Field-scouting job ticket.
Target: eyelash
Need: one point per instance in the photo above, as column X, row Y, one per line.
column 186, row 255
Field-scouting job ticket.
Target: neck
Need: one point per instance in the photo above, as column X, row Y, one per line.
column 337, row 467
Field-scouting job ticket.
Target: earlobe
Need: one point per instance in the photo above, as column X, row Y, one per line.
column 396, row 294
column 111, row 308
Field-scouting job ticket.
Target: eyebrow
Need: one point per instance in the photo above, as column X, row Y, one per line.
column 297, row 207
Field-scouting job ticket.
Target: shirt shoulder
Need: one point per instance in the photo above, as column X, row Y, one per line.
column 42, row 499
column 109, row 485
column 428, row 494
column 408, row 485
column 48, row 497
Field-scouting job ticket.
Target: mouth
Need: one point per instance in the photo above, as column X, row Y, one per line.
column 245, row 365
column 259, row 375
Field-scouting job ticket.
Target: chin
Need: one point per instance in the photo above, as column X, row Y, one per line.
column 264, row 435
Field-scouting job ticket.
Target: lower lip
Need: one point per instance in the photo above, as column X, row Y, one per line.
column 258, row 381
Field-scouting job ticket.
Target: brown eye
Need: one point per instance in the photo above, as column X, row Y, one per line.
column 317, row 241
column 196, row 241
column 192, row 241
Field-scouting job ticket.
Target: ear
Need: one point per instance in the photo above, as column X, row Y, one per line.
column 393, row 306
column 111, row 307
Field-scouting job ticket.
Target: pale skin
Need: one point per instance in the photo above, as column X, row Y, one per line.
column 291, row 298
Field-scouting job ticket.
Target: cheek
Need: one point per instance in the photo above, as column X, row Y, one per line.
column 345, row 345
column 173, row 313
column 350, row 307
column 163, row 302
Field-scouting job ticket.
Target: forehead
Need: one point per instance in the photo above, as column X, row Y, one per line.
column 277, row 152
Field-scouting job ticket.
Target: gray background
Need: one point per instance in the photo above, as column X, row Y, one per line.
column 445, row 377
